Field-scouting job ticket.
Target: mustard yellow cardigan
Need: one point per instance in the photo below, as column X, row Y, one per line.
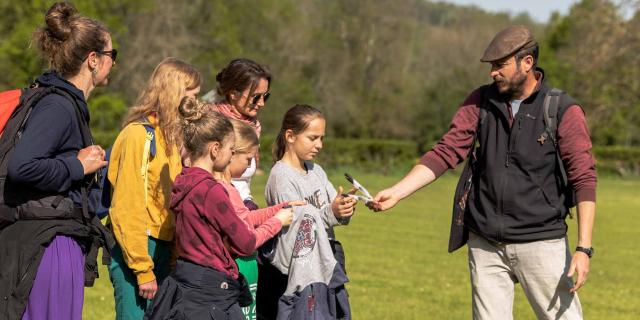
column 136, row 215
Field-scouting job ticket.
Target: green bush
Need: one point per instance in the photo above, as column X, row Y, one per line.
column 391, row 156
column 380, row 156
column 620, row 160
column 107, row 110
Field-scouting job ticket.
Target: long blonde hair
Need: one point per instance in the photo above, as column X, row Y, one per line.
column 169, row 82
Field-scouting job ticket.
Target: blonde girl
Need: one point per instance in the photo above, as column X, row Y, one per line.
column 141, row 220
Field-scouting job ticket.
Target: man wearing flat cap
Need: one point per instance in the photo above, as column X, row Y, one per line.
column 530, row 161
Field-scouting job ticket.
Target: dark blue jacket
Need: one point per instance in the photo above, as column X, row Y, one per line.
column 44, row 160
column 198, row 292
column 44, row 164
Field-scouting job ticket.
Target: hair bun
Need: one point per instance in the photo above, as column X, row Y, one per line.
column 219, row 75
column 191, row 109
column 58, row 20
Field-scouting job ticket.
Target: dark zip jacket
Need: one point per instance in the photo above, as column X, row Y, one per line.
column 44, row 161
column 197, row 292
column 44, row 165
column 516, row 194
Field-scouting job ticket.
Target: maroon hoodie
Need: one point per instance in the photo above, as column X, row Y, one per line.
column 204, row 217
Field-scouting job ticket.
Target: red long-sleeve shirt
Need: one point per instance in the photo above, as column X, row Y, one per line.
column 204, row 217
column 574, row 144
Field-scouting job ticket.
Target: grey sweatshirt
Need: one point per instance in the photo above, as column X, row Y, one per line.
column 303, row 250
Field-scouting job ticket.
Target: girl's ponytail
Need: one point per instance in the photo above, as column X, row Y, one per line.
column 279, row 146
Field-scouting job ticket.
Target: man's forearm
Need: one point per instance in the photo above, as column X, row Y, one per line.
column 417, row 178
column 586, row 218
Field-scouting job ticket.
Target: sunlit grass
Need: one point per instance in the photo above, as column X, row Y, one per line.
column 400, row 269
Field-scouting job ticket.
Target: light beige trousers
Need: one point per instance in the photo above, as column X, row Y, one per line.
column 540, row 267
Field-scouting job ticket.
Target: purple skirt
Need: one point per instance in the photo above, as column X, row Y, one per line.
column 58, row 289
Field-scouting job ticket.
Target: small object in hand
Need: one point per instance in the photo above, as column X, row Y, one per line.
column 357, row 197
column 366, row 195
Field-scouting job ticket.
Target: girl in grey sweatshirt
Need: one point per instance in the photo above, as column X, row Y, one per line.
column 304, row 251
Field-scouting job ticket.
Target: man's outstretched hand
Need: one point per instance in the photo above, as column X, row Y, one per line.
column 385, row 199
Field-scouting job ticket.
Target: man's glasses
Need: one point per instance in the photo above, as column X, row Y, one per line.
column 265, row 96
column 113, row 54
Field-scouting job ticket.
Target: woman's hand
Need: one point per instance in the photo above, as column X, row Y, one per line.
column 343, row 206
column 92, row 159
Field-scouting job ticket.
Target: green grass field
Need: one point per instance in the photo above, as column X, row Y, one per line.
column 400, row 269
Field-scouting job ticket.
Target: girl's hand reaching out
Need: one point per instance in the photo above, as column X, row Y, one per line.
column 285, row 215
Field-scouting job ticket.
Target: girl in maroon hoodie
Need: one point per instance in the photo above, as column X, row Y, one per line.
column 206, row 281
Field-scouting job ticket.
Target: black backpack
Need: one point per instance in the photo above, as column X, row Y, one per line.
column 11, row 134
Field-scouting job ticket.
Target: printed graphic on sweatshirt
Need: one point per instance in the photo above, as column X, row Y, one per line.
column 315, row 200
column 306, row 237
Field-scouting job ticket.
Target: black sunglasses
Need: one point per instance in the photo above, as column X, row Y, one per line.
column 265, row 96
column 113, row 54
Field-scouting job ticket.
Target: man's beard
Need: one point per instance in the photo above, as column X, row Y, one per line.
column 514, row 86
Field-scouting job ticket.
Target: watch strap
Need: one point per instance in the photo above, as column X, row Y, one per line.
column 587, row 251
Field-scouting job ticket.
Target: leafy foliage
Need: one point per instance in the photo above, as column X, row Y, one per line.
column 379, row 69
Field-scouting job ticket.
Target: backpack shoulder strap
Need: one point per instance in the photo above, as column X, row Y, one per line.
column 87, row 138
column 550, row 109
column 148, row 153
column 152, row 133
column 481, row 118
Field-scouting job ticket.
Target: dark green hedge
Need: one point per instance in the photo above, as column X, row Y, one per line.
column 618, row 160
column 381, row 156
column 385, row 156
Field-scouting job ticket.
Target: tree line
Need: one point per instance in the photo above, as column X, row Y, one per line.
column 379, row 69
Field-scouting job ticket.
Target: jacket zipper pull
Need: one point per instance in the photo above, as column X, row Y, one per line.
column 507, row 160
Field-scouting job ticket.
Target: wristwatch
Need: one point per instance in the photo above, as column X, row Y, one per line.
column 588, row 251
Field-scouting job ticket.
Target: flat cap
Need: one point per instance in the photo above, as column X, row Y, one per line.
column 508, row 42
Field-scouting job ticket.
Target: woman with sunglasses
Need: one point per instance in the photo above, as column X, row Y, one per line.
column 243, row 89
column 49, row 253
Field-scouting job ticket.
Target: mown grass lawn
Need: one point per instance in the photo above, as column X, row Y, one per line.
column 400, row 269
